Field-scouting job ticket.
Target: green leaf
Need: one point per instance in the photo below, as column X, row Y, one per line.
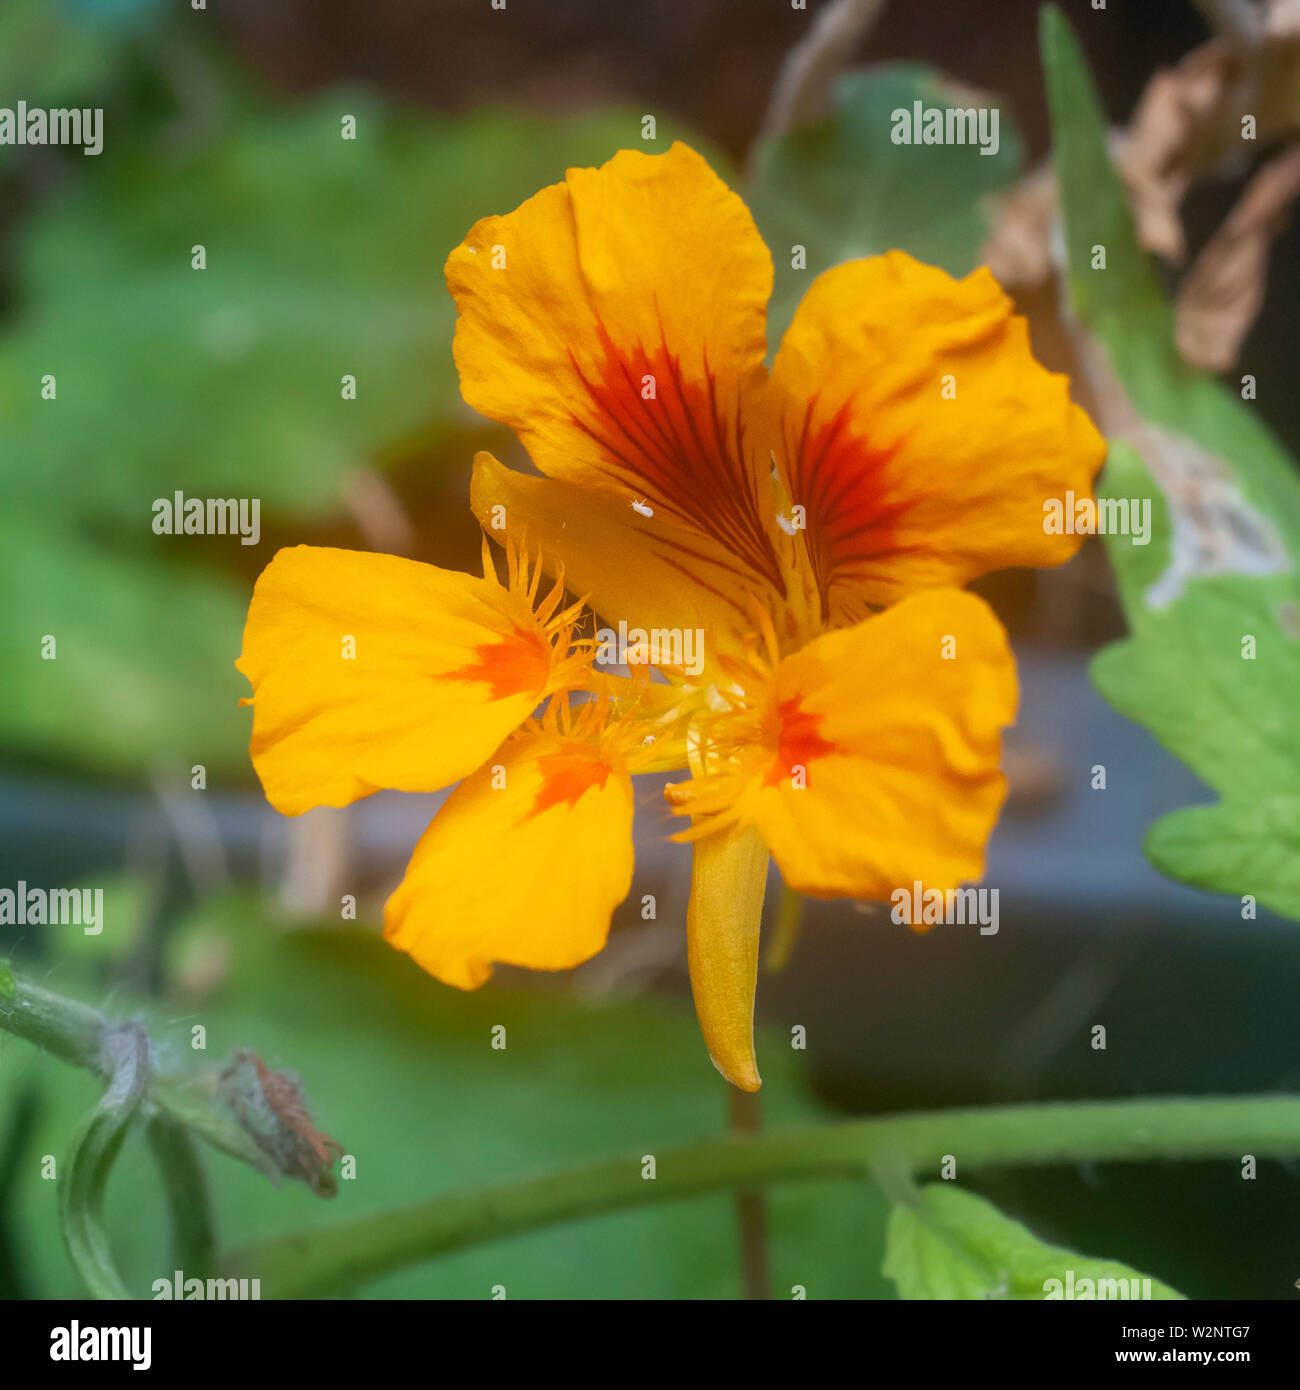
column 842, row 189
column 1127, row 294
column 1237, row 841
column 954, row 1245
column 1210, row 589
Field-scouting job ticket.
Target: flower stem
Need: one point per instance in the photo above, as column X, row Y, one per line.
column 335, row 1258
column 70, row 1031
column 745, row 1118
column 94, row 1148
column 76, row 1033
column 789, row 919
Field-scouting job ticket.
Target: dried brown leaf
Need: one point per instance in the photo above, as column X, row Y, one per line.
column 270, row 1107
column 1019, row 247
column 1176, row 130
column 1224, row 290
column 1188, row 122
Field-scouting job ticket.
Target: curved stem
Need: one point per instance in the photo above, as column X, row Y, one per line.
column 75, row 1033
column 96, row 1145
column 194, row 1240
column 337, row 1257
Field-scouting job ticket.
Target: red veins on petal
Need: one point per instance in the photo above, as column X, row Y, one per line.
column 798, row 741
column 683, row 448
column 838, row 478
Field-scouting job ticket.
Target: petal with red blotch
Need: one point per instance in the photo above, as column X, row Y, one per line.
column 371, row 671
column 524, row 864
column 876, row 763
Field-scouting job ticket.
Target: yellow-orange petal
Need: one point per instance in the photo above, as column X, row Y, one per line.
column 616, row 322
column 371, row 671
column 728, row 880
column 875, row 761
column 524, row 864
column 640, row 570
column 919, row 434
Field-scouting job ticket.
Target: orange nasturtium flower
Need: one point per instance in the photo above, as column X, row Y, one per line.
column 811, row 524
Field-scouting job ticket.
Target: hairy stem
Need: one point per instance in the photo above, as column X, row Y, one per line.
column 338, row 1257
column 75, row 1033
column 68, row 1030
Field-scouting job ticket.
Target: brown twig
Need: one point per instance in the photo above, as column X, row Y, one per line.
column 800, row 92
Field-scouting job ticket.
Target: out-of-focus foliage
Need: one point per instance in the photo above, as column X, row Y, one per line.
column 953, row 1244
column 842, row 189
column 66, row 52
column 142, row 673
column 1221, row 565
column 402, row 1072
column 323, row 259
